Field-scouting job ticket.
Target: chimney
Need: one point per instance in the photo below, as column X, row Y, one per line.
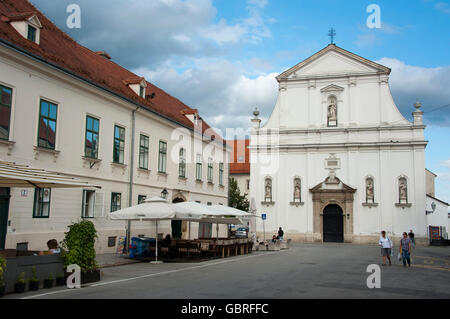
column 103, row 54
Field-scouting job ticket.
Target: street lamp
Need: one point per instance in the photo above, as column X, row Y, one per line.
column 433, row 207
column 164, row 193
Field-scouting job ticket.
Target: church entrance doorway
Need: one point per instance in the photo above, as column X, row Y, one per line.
column 333, row 224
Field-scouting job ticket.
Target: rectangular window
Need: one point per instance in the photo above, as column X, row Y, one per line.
column 47, row 124
column 198, row 168
column 42, row 202
column 220, row 173
column 210, row 170
column 91, row 139
column 88, row 204
column 143, row 152
column 162, row 163
column 182, row 163
column 141, row 91
column 116, row 200
column 5, row 111
column 119, row 144
column 141, row 199
column 31, row 33
column 209, row 204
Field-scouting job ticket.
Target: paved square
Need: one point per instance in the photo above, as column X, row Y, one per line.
column 304, row 271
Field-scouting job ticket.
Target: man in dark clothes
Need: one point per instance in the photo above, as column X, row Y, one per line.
column 280, row 234
column 411, row 236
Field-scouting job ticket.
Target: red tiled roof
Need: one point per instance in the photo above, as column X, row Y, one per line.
column 17, row 16
column 239, row 151
column 59, row 49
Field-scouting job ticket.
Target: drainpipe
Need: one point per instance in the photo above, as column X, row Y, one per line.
column 130, row 190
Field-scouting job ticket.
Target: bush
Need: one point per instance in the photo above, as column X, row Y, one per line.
column 34, row 277
column 21, row 278
column 2, row 271
column 78, row 245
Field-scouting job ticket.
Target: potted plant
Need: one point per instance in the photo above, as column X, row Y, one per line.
column 60, row 280
column 19, row 287
column 2, row 280
column 79, row 249
column 34, row 281
column 48, row 283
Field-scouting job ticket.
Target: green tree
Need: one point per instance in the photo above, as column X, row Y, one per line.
column 235, row 199
column 79, row 244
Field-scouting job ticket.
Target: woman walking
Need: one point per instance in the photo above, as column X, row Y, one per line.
column 386, row 247
column 405, row 249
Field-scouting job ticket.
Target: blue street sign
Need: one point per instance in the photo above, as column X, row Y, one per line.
column 264, row 216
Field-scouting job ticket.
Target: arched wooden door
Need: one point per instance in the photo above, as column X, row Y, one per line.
column 333, row 224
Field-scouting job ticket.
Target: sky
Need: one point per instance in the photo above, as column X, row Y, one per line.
column 222, row 56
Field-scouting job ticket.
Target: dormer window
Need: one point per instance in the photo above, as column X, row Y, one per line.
column 192, row 115
column 27, row 24
column 31, row 33
column 137, row 84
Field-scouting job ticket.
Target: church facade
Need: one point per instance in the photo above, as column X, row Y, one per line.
column 337, row 161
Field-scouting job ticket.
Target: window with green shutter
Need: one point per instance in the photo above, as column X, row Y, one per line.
column 91, row 139
column 42, row 198
column 198, row 168
column 221, row 174
column 210, row 170
column 47, row 124
column 119, row 145
column 5, row 111
column 116, row 201
column 182, row 163
column 143, row 152
column 162, row 162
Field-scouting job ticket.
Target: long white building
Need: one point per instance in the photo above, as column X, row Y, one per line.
column 67, row 109
column 336, row 161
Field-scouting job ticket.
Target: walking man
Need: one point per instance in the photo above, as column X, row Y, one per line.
column 411, row 236
column 386, row 247
column 405, row 249
column 280, row 234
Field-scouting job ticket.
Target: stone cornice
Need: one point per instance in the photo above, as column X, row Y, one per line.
column 286, row 147
column 342, row 129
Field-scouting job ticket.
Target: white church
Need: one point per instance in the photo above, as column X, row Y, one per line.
column 337, row 161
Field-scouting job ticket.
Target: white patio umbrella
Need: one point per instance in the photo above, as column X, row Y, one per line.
column 230, row 211
column 209, row 214
column 156, row 209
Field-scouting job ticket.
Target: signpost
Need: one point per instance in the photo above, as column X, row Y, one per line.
column 264, row 217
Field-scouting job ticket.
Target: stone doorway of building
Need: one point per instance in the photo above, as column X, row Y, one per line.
column 333, row 224
column 4, row 210
column 333, row 210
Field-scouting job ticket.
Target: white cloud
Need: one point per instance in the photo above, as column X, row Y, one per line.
column 443, row 7
column 158, row 30
column 446, row 163
column 429, row 85
column 224, row 96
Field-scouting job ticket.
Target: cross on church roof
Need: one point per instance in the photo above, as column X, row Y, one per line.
column 332, row 34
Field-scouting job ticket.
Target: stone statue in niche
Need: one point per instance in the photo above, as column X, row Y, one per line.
column 403, row 191
column 297, row 191
column 369, row 191
column 268, row 191
column 332, row 112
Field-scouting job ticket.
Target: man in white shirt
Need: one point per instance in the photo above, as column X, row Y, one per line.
column 386, row 247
